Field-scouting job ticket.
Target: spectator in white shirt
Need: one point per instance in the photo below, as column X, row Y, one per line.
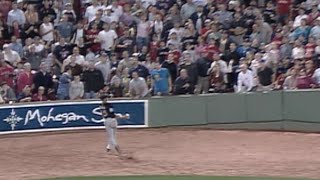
column 11, row 56
column 138, row 87
column 298, row 52
column 107, row 38
column 92, row 10
column 316, row 77
column 109, row 16
column 245, row 79
column 297, row 20
column 116, row 8
column 79, row 59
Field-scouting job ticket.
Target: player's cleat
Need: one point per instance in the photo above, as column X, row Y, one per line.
column 108, row 150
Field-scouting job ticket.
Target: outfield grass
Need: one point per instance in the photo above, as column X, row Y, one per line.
column 174, row 178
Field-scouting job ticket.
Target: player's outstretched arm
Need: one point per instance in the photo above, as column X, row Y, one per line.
column 121, row 116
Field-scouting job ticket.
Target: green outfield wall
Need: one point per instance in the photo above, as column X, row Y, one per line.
column 281, row 110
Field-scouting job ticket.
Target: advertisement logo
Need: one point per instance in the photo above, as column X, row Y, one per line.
column 13, row 119
column 50, row 116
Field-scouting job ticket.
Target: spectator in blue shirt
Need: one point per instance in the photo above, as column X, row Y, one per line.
column 302, row 30
column 242, row 50
column 160, row 80
column 65, row 28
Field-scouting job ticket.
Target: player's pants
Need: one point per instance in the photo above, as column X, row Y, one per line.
column 111, row 128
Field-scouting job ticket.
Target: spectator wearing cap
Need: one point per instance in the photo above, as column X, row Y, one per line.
column 64, row 84
column 178, row 30
column 161, row 83
column 245, row 79
column 76, row 90
column 139, row 68
column 198, row 18
column 187, row 10
column 70, row 13
column 40, row 95
column 12, row 57
column 7, row 92
column 24, row 78
column 93, row 81
column 64, row 28
column 265, row 76
column 107, row 38
column 182, row 84
column 203, row 65
column 43, row 78
column 109, row 16
column 138, row 87
column 104, row 66
column 16, row 15
column 315, row 30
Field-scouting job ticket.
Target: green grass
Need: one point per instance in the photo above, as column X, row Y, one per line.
column 174, row 178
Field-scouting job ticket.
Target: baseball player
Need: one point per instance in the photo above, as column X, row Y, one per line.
column 110, row 121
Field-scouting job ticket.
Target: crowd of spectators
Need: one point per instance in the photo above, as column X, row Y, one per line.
column 74, row 49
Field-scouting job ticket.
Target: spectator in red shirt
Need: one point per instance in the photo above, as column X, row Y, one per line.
column 40, row 96
column 91, row 36
column 283, row 10
column 304, row 81
column 24, row 78
column 310, row 48
column 6, row 71
column 309, row 68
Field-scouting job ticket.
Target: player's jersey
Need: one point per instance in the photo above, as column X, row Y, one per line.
column 108, row 109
